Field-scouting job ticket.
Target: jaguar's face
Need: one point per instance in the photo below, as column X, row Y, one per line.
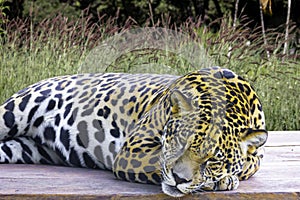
column 198, row 153
column 191, row 160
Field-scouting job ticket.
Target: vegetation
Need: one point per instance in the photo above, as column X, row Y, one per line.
column 34, row 50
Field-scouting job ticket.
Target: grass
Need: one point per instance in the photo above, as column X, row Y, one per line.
column 59, row 46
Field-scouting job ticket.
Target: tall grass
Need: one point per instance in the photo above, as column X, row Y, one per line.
column 32, row 52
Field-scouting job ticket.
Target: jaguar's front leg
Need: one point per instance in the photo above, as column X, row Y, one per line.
column 138, row 159
column 252, row 164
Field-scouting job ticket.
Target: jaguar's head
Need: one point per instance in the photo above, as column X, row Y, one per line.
column 203, row 146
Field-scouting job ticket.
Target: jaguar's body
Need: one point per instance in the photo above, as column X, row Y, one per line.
column 202, row 131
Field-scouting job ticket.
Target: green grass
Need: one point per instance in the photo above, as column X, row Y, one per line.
column 58, row 46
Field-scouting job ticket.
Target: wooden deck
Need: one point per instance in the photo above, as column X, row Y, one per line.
column 279, row 178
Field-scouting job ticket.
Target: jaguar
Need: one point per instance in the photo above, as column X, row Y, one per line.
column 203, row 131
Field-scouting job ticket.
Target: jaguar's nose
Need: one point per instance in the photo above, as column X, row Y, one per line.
column 178, row 179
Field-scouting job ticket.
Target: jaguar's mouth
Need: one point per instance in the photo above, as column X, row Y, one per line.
column 178, row 179
column 173, row 188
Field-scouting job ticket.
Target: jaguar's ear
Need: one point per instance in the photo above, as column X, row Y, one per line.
column 254, row 139
column 180, row 103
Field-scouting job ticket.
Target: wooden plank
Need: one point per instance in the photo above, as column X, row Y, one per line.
column 279, row 178
column 286, row 138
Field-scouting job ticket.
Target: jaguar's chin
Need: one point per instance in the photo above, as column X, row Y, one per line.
column 171, row 190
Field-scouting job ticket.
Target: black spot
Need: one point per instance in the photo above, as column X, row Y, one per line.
column 147, row 150
column 24, row 102
column 38, row 86
column 40, row 99
column 24, row 147
column 71, row 90
column 18, row 161
column 67, row 109
column 104, row 112
column 227, row 166
column 142, row 111
column 150, row 145
column 60, row 154
column 191, row 78
column 7, row 150
column 98, row 96
column 73, row 117
column 121, row 175
column 26, row 158
column 57, row 120
column 154, row 160
column 153, row 92
column 74, row 158
column 240, row 85
column 13, row 131
column 60, row 103
column 107, row 97
column 82, row 81
column 99, row 134
column 87, row 112
column 10, row 105
column 46, row 92
column 38, row 121
column 247, row 90
column 132, row 99
column 145, row 92
column 141, row 88
column 59, row 96
column 79, row 141
column 135, row 150
column 31, row 113
column 218, row 75
column 82, row 138
column 9, row 119
column 143, row 177
column 130, row 111
column 149, row 169
column 65, row 138
column 115, row 133
column 85, row 93
column 38, row 140
column 23, row 91
column 123, row 163
column 51, row 105
column 156, row 178
column 240, row 78
column 60, row 85
column 253, row 109
column 44, row 153
column 228, row 74
column 69, row 98
column 49, row 133
column 88, row 161
column 135, row 163
column 131, row 175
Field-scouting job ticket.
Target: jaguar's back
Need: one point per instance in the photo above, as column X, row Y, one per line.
column 78, row 120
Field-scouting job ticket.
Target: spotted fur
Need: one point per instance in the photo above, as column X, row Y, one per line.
column 202, row 131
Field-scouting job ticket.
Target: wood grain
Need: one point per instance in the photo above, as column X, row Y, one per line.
column 279, row 178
